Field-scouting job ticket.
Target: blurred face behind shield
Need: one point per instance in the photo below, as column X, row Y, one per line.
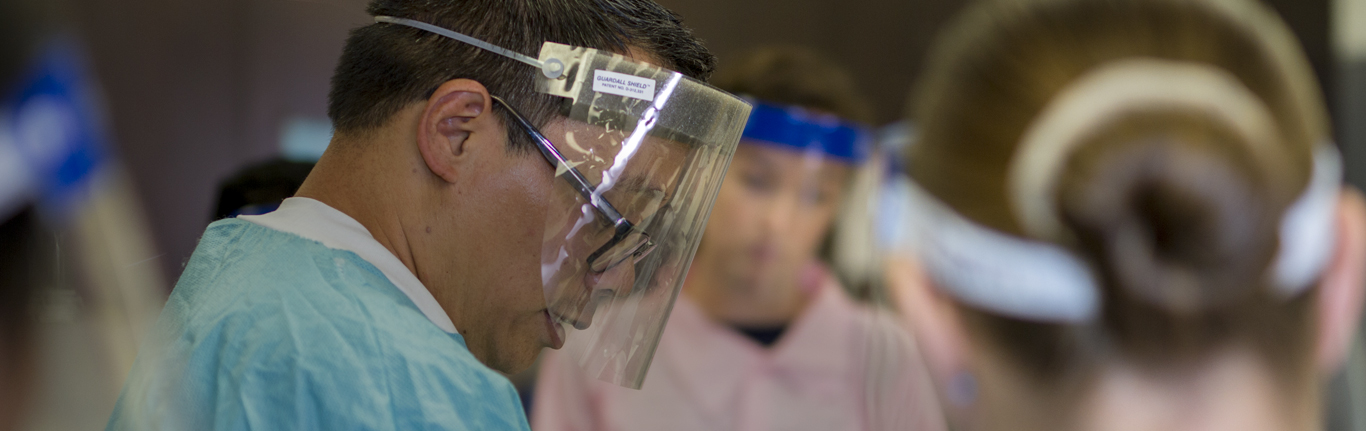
column 1143, row 228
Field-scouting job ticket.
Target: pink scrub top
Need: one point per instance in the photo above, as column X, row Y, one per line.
column 839, row 366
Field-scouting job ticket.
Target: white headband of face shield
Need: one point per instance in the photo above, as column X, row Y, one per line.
column 552, row 68
column 1042, row 281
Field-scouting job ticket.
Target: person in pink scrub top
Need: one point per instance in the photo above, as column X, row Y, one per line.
column 763, row 335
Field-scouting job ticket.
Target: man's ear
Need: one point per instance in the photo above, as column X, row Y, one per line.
column 1340, row 288
column 455, row 121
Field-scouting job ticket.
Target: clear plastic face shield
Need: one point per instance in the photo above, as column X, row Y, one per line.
column 639, row 154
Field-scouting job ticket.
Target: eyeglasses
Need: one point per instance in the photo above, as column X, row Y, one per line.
column 628, row 242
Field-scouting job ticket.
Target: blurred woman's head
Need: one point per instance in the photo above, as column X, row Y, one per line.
column 1159, row 143
column 779, row 198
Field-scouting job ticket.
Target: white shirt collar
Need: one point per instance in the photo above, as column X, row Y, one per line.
column 319, row 222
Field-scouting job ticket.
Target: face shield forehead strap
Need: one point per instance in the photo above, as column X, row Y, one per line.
column 802, row 129
column 1014, row 277
column 1042, row 281
column 616, row 83
column 613, row 91
column 551, row 70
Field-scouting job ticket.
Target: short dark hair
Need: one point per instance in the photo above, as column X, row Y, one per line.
column 386, row 67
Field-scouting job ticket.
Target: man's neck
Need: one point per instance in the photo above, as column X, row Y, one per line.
column 342, row 181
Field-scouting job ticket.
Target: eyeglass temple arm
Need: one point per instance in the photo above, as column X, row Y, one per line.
column 556, row 160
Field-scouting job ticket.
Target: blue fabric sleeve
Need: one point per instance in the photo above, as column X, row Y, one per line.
column 266, row 330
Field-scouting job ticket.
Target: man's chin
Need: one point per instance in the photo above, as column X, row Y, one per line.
column 514, row 355
column 517, row 363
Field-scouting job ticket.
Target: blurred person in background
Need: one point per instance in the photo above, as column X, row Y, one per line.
column 763, row 335
column 76, row 291
column 259, row 188
column 475, row 205
column 1130, row 216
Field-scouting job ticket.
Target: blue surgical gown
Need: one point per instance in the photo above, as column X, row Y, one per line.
column 268, row 330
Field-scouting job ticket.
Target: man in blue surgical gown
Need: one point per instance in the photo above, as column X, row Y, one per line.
column 410, row 269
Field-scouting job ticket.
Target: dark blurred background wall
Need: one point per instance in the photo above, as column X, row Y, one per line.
column 884, row 41
column 198, row 88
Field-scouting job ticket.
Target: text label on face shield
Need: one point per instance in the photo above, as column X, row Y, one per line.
column 621, row 84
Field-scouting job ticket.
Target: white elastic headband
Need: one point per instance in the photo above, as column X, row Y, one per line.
column 1308, row 228
column 1042, row 281
column 1012, row 276
column 552, row 68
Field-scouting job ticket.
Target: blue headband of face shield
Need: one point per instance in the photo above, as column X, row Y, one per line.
column 50, row 142
column 801, row 129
